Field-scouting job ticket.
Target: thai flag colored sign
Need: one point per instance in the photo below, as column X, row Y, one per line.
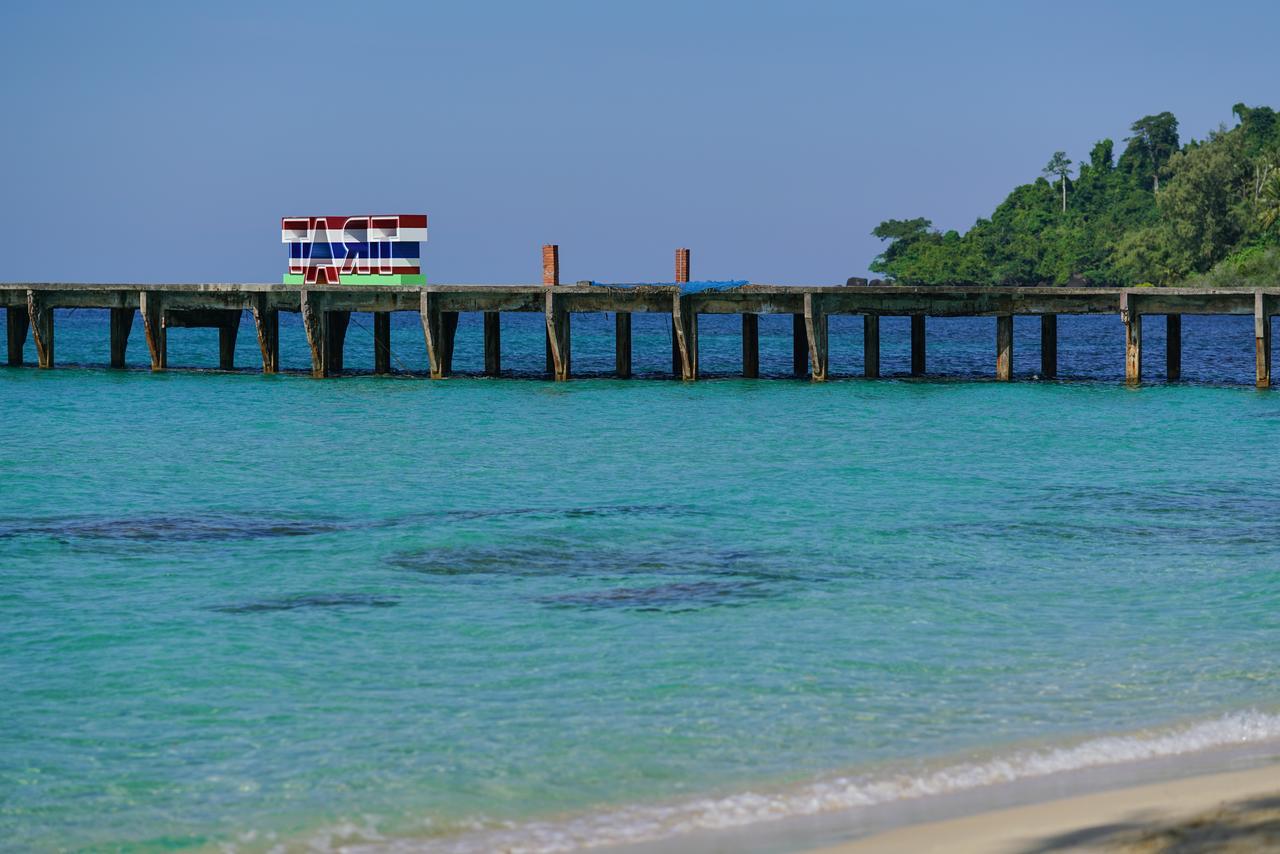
column 355, row 250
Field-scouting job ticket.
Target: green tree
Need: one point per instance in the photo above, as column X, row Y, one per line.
column 1059, row 165
column 1269, row 202
column 1154, row 141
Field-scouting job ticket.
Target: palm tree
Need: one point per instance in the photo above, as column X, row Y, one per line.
column 1060, row 166
column 1269, row 201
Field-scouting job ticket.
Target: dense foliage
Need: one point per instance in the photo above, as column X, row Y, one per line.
column 1163, row 213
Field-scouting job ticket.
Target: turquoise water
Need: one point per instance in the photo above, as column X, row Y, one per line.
column 243, row 609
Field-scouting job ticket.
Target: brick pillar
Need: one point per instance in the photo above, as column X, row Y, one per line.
column 682, row 266
column 550, row 265
column 550, row 278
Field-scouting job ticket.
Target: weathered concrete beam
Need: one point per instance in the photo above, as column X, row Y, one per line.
column 557, row 320
column 1173, row 346
column 751, row 345
column 622, row 344
column 917, row 345
column 1262, row 308
column 1048, row 346
column 17, row 320
column 121, row 326
column 1004, row 347
column 266, row 323
column 815, row 327
column 151, row 307
column 684, row 323
column 382, row 342
column 799, row 345
column 492, row 343
column 871, row 345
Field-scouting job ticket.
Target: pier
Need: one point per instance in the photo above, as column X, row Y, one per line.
column 326, row 313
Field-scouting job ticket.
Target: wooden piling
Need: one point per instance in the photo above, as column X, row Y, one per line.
column 492, row 343
column 684, row 322
column 151, row 307
column 1262, row 339
column 871, row 345
column 382, row 342
column 622, row 344
column 1173, row 346
column 228, row 331
column 917, row 345
column 121, row 326
column 751, row 346
column 815, row 324
column 1048, row 346
column 557, row 318
column 799, row 347
column 266, row 323
column 17, row 321
column 1004, row 347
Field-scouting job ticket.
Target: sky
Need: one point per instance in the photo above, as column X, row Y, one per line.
column 163, row 142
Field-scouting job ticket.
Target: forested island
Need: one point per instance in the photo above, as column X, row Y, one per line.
column 1163, row 213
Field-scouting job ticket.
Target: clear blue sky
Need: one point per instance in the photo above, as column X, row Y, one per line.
column 162, row 142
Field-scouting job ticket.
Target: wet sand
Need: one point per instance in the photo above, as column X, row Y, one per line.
column 1236, row 811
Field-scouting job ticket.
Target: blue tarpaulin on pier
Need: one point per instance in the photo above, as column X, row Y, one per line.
column 685, row 287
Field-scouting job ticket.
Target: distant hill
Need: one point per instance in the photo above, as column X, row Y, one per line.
column 1164, row 213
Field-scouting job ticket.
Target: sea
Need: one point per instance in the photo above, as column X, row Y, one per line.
column 272, row 613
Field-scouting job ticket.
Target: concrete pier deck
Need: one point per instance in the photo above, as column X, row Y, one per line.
column 326, row 312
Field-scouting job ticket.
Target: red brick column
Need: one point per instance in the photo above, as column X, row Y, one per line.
column 682, row 266
column 550, row 264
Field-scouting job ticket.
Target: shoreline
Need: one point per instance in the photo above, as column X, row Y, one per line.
column 1201, row 812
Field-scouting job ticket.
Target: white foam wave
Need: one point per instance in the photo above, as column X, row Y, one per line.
column 652, row 822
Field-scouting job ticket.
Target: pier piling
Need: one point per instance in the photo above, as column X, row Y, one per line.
column 121, row 326
column 1048, row 346
column 815, row 323
column 557, row 316
column 17, row 320
column 41, row 316
column 1132, row 347
column 492, row 343
column 751, row 346
column 684, row 321
column 1004, row 347
column 382, row 341
column 228, row 331
column 1262, row 339
column 679, row 366
column 151, row 307
column 266, row 323
column 1173, row 346
column 335, row 338
column 917, row 345
column 871, row 345
column 799, row 347
column 622, row 344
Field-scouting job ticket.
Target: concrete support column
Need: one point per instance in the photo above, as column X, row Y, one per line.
column 871, row 345
column 151, row 307
column 684, row 323
column 228, row 331
column 17, row 321
column 1262, row 338
column 1004, row 347
column 438, row 328
column 382, row 342
column 622, row 344
column 1173, row 346
column 1048, row 346
column 682, row 278
column 121, row 326
column 917, row 345
column 558, row 334
column 266, row 322
column 799, row 346
column 335, row 337
column 815, row 324
column 550, row 278
column 40, row 316
column 751, row 346
column 492, row 343
column 1132, row 347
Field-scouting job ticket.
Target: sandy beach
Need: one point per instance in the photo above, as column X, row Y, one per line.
column 1234, row 811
